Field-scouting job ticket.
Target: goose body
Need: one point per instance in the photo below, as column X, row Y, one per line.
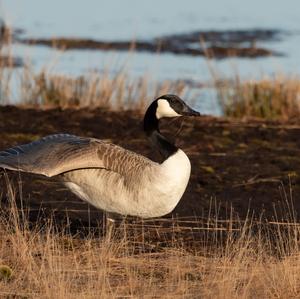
column 143, row 193
column 108, row 176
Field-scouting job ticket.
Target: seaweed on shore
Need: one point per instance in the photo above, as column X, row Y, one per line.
column 218, row 44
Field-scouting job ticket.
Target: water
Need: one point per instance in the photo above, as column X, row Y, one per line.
column 132, row 19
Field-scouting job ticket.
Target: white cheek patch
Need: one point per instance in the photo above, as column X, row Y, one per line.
column 164, row 109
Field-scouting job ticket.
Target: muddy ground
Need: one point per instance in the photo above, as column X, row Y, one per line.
column 247, row 166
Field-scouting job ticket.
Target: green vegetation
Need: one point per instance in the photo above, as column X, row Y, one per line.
column 5, row 272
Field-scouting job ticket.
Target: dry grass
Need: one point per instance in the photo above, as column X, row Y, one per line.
column 6, row 64
column 226, row 260
column 92, row 90
column 270, row 98
column 95, row 89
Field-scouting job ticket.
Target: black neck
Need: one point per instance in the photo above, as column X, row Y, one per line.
column 164, row 146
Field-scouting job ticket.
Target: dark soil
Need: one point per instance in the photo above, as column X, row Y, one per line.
column 247, row 166
column 218, row 44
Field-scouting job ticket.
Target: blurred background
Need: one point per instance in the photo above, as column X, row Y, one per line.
column 138, row 49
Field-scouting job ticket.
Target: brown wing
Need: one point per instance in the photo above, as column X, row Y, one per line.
column 56, row 154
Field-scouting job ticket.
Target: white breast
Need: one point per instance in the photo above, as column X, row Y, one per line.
column 178, row 167
column 171, row 179
column 176, row 171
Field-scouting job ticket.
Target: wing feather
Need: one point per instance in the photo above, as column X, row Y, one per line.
column 56, row 154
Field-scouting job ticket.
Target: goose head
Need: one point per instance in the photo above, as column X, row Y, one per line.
column 167, row 105
column 170, row 105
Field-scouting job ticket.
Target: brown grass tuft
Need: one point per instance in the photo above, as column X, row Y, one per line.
column 271, row 98
column 92, row 90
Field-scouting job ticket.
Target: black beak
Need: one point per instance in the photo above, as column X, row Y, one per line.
column 188, row 111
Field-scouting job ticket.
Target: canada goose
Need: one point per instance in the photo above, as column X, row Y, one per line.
column 108, row 176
